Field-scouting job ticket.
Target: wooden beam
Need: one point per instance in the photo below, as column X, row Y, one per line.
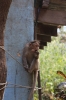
column 43, row 43
column 52, row 17
column 63, row 2
column 46, row 29
column 45, row 3
column 57, row 5
column 44, row 38
column 41, row 47
column 39, row 86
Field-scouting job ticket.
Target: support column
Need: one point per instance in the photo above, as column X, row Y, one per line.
column 18, row 31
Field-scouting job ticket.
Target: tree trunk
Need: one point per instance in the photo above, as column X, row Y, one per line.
column 4, row 7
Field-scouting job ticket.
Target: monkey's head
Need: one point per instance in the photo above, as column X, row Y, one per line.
column 34, row 45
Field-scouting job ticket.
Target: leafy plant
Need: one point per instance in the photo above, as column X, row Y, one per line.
column 52, row 58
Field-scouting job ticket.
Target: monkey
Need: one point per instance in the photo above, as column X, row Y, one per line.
column 31, row 61
column 34, row 68
column 29, row 53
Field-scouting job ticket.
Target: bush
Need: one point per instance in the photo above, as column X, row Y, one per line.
column 52, row 58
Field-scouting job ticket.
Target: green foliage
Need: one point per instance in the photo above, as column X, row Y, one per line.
column 52, row 58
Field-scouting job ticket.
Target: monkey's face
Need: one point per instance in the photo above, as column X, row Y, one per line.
column 34, row 46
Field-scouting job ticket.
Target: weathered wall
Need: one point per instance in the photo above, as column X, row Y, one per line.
column 18, row 31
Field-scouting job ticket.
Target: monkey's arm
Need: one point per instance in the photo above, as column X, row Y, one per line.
column 34, row 65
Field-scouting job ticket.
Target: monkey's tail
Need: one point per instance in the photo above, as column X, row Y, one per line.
column 61, row 73
column 33, row 86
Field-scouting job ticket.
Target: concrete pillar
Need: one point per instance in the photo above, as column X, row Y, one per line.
column 19, row 30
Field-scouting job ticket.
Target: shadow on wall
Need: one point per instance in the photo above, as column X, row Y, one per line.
column 4, row 8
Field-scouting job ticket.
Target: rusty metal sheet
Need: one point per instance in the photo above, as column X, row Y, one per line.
column 46, row 29
column 52, row 17
column 44, row 38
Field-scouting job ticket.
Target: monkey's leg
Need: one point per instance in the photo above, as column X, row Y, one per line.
column 34, row 84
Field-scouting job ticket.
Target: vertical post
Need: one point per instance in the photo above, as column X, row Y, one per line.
column 39, row 86
column 18, row 31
